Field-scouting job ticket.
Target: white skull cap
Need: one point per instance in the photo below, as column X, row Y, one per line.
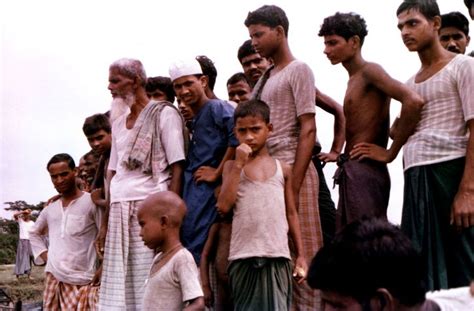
column 183, row 68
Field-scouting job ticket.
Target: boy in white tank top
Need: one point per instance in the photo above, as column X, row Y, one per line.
column 258, row 189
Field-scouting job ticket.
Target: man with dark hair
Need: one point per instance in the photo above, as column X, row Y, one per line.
column 370, row 265
column 438, row 206
column 253, row 64
column 238, row 88
column 364, row 185
column 470, row 7
column 210, row 71
column 454, row 32
column 72, row 223
column 160, row 88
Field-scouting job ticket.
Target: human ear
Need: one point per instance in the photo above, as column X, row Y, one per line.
column 437, row 23
column 204, row 81
column 270, row 127
column 383, row 301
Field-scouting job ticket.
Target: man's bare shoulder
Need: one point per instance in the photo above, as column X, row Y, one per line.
column 372, row 71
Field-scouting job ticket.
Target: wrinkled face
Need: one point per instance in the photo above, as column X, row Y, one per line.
column 119, row 85
column 190, row 90
column 253, row 131
column 239, row 92
column 453, row 39
column 264, row 39
column 332, row 301
column 157, row 95
column 417, row 32
column 151, row 229
column 100, row 141
column 62, row 176
column 254, row 66
column 338, row 49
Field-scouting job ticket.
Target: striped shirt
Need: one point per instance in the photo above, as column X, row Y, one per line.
column 442, row 135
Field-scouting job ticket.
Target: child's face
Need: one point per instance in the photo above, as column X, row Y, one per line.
column 100, row 141
column 253, row 131
column 151, row 230
column 337, row 48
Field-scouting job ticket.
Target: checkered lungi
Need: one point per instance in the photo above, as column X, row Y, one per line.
column 127, row 260
column 62, row 296
column 304, row 297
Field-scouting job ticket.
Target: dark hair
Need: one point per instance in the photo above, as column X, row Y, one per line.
column 62, row 157
column 95, row 123
column 428, row 8
column 208, row 69
column 254, row 108
column 346, row 25
column 367, row 255
column 163, row 84
column 268, row 15
column 245, row 50
column 237, row 77
column 456, row 20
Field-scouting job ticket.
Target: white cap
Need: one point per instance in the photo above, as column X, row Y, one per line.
column 183, row 68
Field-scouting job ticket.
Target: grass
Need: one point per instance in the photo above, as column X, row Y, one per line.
column 22, row 288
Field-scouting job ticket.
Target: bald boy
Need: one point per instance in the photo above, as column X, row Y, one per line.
column 173, row 281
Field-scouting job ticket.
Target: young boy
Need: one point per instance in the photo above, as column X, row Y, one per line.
column 160, row 88
column 173, row 281
column 364, row 185
column 258, row 188
column 238, row 88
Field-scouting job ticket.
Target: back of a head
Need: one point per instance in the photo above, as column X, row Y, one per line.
column 237, row 77
column 163, row 84
column 346, row 25
column 61, row 157
column 96, row 123
column 131, row 68
column 208, row 69
column 166, row 203
column 428, row 8
column 245, row 50
column 268, row 15
column 456, row 20
column 254, row 108
column 365, row 256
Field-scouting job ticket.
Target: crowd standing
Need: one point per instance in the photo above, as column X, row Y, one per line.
column 223, row 204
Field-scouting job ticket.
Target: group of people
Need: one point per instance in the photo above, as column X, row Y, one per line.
column 224, row 204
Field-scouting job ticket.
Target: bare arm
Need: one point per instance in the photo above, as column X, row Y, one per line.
column 196, row 304
column 304, row 150
column 210, row 174
column 208, row 253
column 176, row 183
column 412, row 103
column 462, row 214
column 331, row 106
column 100, row 241
column 294, row 225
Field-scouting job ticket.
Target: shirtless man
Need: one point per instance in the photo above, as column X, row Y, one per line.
column 364, row 185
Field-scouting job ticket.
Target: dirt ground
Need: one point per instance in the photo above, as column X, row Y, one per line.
column 24, row 289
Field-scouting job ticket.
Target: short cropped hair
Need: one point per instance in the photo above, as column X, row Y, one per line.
column 367, row 255
column 428, row 8
column 456, row 20
column 131, row 68
column 237, row 77
column 208, row 69
column 163, row 84
column 254, row 108
column 95, row 123
column 245, row 50
column 62, row 157
column 268, row 15
column 346, row 25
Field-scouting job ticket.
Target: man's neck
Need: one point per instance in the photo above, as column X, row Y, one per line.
column 282, row 57
column 432, row 54
column 141, row 100
column 199, row 104
column 354, row 64
column 69, row 196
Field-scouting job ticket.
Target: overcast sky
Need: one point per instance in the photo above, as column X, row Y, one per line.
column 55, row 57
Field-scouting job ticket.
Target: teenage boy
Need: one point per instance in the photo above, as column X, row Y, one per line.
column 288, row 88
column 71, row 223
column 454, row 32
column 438, row 207
column 212, row 144
column 160, row 88
column 173, row 282
column 238, row 88
column 364, row 185
column 258, row 188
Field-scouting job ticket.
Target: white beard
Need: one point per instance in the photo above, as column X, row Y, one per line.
column 121, row 106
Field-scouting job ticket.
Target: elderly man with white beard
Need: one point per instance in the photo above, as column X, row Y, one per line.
column 147, row 156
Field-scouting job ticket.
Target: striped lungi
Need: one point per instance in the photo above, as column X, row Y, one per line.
column 63, row 296
column 127, row 260
column 23, row 257
column 304, row 297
